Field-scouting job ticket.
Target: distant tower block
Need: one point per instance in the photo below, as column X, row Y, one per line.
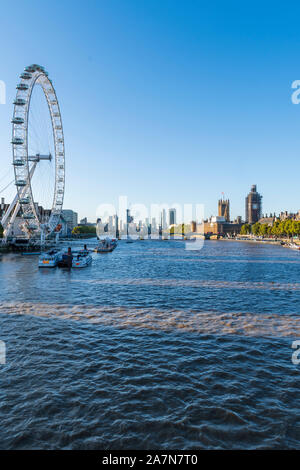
column 224, row 209
column 172, row 216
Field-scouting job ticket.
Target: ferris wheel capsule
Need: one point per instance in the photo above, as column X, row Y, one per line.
column 21, row 183
column 17, row 120
column 19, row 102
column 17, row 141
column 19, row 162
column 26, row 76
column 22, row 86
column 30, row 69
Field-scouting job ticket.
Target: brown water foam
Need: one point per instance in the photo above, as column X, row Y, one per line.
column 207, row 322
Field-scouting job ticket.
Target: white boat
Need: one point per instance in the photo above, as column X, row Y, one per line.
column 49, row 259
column 294, row 246
column 81, row 259
column 106, row 246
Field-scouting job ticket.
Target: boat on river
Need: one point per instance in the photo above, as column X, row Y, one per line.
column 50, row 259
column 106, row 246
column 294, row 246
column 75, row 259
column 81, row 259
column 65, row 261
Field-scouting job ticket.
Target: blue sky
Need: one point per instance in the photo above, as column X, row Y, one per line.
column 164, row 101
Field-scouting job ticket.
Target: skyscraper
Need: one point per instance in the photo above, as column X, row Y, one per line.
column 223, row 209
column 253, row 206
column 164, row 219
column 172, row 216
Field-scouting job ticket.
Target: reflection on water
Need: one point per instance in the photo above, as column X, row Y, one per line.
column 143, row 350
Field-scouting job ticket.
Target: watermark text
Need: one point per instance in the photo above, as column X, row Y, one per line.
column 2, row 352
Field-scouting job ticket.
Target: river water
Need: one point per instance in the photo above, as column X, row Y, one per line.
column 152, row 347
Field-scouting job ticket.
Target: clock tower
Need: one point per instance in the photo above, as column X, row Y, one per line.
column 253, row 206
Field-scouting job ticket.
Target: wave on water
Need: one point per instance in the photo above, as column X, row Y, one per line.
column 198, row 257
column 194, row 283
column 207, row 322
column 255, row 261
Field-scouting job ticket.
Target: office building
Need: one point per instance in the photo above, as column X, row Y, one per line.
column 71, row 218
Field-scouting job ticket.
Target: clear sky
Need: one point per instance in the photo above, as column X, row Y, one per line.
column 164, row 100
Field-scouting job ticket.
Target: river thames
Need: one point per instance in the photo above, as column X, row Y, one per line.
column 152, row 347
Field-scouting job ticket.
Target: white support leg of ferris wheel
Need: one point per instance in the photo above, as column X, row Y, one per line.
column 8, row 223
column 43, row 235
column 35, row 159
column 9, row 210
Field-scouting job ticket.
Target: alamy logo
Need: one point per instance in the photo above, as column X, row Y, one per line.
column 2, row 352
column 2, row 92
column 139, row 221
column 295, row 95
column 296, row 354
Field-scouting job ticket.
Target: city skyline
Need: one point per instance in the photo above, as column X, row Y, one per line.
column 163, row 123
column 253, row 212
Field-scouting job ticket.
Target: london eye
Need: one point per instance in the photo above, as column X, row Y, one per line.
column 38, row 158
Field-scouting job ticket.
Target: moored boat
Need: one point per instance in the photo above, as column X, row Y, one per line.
column 49, row 259
column 81, row 259
column 294, row 246
column 66, row 259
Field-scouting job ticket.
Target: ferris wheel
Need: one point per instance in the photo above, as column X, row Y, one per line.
column 38, row 158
